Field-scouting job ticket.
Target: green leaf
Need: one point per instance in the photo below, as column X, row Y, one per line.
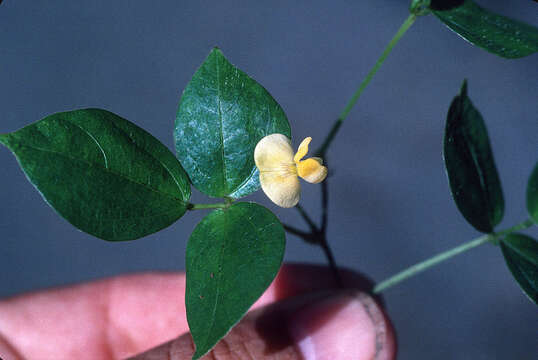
column 521, row 255
column 222, row 115
column 532, row 194
column 102, row 173
column 471, row 171
column 232, row 256
column 492, row 32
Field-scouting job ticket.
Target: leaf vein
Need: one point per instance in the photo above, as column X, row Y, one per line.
column 221, row 134
column 99, row 166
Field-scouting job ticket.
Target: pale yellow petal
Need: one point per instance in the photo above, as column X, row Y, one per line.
column 302, row 150
column 272, row 152
column 318, row 159
column 311, row 170
column 273, row 156
column 283, row 189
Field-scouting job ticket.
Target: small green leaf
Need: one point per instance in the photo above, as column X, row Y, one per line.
column 532, row 194
column 222, row 115
column 232, row 256
column 492, row 32
column 521, row 255
column 471, row 171
column 102, row 173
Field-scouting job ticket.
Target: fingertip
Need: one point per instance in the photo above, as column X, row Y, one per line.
column 320, row 326
column 349, row 325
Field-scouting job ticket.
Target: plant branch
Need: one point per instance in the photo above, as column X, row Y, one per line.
column 207, row 206
column 307, row 218
column 323, row 231
column 351, row 103
column 300, row 233
column 332, row 263
column 426, row 264
column 324, row 205
column 318, row 236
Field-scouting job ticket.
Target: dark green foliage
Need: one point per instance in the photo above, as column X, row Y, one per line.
column 222, row 115
column 532, row 194
column 470, row 167
column 105, row 175
column 233, row 255
column 521, row 255
column 495, row 33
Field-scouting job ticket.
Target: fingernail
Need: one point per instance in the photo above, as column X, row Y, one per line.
column 343, row 326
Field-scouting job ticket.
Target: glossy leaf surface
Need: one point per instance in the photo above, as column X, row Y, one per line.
column 232, row 256
column 102, row 173
column 474, row 181
column 532, row 194
column 222, row 115
column 521, row 255
column 495, row 33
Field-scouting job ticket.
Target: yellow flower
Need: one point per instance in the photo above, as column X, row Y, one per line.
column 279, row 168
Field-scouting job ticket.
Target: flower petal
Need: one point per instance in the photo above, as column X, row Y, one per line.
column 273, row 156
column 302, row 150
column 272, row 152
column 318, row 159
column 311, row 170
column 284, row 190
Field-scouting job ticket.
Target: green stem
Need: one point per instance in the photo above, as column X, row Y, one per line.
column 418, row 268
column 332, row 262
column 336, row 126
column 306, row 218
column 208, row 206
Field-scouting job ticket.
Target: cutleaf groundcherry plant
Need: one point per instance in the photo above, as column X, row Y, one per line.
column 115, row 181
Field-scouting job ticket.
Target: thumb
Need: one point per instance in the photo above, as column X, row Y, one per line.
column 326, row 325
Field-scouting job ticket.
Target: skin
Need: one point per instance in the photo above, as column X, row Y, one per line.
column 300, row 316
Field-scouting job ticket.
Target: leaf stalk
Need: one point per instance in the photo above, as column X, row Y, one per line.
column 437, row 259
column 208, row 206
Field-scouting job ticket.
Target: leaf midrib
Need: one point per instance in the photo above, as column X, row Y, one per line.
column 221, row 134
column 523, row 254
column 120, row 129
column 102, row 168
column 513, row 257
column 255, row 231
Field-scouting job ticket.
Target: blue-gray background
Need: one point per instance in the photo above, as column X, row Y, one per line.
column 390, row 204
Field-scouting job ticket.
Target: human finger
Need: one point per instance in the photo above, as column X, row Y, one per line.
column 322, row 326
column 121, row 316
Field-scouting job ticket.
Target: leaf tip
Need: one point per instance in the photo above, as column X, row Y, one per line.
column 463, row 91
column 532, row 194
column 197, row 355
column 216, row 51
